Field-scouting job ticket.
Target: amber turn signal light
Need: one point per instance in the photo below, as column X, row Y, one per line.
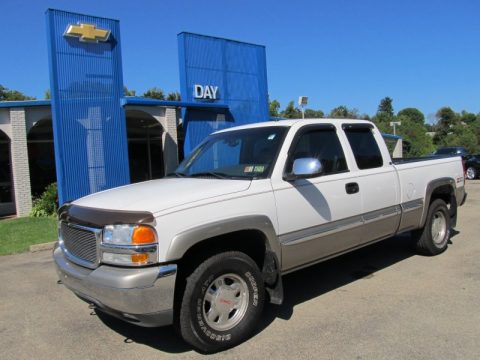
column 140, row 259
column 143, row 235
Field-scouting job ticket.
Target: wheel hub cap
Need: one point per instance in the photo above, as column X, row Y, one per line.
column 225, row 302
column 439, row 227
column 470, row 173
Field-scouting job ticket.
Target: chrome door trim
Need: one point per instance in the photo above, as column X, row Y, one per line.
column 412, row 205
column 315, row 232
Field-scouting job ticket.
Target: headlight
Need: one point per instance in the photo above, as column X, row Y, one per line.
column 118, row 234
column 129, row 245
column 129, row 235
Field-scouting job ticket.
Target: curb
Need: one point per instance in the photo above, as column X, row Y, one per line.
column 42, row 247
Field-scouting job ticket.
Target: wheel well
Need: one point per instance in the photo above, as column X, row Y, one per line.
column 250, row 242
column 447, row 194
column 444, row 192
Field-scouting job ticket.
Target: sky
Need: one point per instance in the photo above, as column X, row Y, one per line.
column 421, row 53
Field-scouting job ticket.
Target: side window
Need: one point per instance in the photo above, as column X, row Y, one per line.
column 322, row 144
column 365, row 148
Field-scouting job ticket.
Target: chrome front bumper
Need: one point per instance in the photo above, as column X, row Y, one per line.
column 143, row 296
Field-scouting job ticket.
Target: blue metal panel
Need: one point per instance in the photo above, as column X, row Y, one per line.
column 89, row 127
column 238, row 69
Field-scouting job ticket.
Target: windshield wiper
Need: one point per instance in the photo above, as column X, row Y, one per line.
column 218, row 175
column 177, row 174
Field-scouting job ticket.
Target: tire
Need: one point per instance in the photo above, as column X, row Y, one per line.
column 471, row 173
column 222, row 302
column 433, row 238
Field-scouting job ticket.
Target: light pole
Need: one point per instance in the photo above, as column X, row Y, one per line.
column 302, row 102
column 394, row 124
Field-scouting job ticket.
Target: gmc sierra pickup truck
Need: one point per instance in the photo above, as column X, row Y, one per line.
column 206, row 246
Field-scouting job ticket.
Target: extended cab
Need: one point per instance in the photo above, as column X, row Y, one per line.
column 205, row 247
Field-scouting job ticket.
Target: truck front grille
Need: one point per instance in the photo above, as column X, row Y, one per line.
column 81, row 242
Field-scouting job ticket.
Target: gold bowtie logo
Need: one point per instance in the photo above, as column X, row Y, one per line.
column 87, row 33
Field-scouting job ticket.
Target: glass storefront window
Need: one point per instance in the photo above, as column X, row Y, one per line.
column 41, row 156
column 6, row 195
column 145, row 150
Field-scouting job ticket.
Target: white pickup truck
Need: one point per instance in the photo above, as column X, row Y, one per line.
column 205, row 247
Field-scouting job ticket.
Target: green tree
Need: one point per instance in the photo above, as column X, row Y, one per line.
column 467, row 117
column 343, row 112
column 446, row 117
column 429, row 127
column 291, row 112
column 474, row 127
column 386, row 106
column 446, row 120
column 382, row 121
column 13, row 95
column 127, row 92
column 154, row 93
column 413, row 114
column 461, row 135
column 413, row 133
column 314, row 114
column 47, row 95
column 273, row 108
column 174, row 96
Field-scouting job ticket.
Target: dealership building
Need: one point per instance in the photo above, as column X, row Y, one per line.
column 90, row 137
column 27, row 155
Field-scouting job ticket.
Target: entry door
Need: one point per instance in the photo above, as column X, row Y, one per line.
column 316, row 216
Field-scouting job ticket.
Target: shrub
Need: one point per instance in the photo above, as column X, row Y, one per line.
column 46, row 205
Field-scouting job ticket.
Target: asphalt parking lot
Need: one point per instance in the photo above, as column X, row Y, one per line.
column 381, row 302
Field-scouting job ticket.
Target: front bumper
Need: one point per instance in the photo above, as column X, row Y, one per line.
column 143, row 296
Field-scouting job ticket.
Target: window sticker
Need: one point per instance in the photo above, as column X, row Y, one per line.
column 259, row 168
column 272, row 136
column 248, row 169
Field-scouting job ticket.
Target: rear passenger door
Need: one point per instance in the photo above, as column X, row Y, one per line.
column 377, row 182
column 316, row 216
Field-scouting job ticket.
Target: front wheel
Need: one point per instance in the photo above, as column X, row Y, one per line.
column 222, row 302
column 471, row 173
column 433, row 238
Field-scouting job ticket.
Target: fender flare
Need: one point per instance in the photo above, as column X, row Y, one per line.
column 432, row 185
column 186, row 239
column 272, row 265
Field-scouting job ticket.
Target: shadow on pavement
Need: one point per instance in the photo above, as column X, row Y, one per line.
column 163, row 338
column 316, row 280
column 299, row 287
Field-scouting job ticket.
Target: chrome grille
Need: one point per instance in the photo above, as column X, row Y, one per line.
column 80, row 242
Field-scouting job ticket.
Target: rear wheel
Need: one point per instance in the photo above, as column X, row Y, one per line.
column 433, row 238
column 471, row 173
column 222, row 302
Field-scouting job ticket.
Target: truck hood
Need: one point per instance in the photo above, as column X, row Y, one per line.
column 162, row 194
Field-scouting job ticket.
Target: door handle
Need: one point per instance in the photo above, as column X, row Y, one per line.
column 352, row 188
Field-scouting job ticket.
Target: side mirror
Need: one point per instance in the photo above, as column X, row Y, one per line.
column 305, row 168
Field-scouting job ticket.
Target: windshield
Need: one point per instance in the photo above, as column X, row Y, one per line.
column 242, row 154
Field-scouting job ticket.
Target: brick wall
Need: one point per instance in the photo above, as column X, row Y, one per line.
column 170, row 143
column 20, row 169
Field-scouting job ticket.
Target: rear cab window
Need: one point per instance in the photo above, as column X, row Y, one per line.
column 364, row 146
